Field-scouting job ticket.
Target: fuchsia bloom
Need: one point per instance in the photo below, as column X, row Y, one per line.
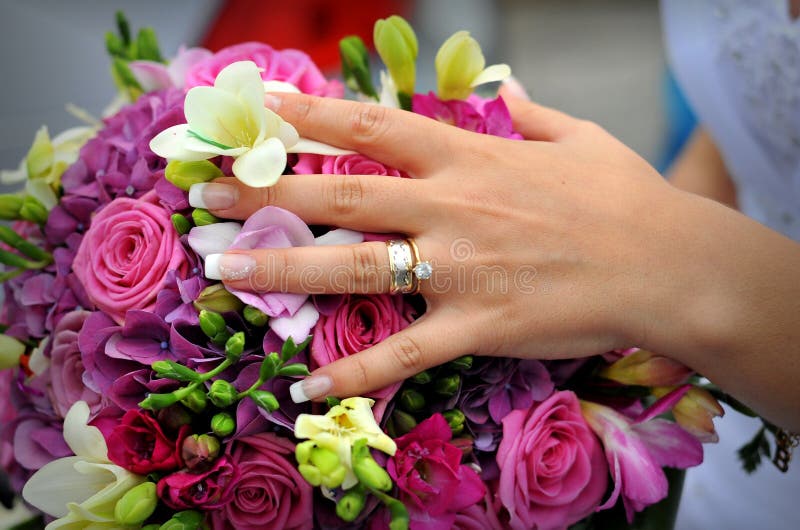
column 637, row 449
column 139, row 444
column 433, row 483
column 126, row 255
column 208, row 490
column 475, row 114
column 356, row 164
column 552, row 472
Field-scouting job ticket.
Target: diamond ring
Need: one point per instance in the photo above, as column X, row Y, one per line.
column 406, row 268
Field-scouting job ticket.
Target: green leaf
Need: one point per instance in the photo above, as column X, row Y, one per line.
column 290, row 349
column 750, row 454
column 294, row 370
column 332, row 401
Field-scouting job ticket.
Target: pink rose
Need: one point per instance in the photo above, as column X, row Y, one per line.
column 552, row 469
column 309, row 164
column 269, row 492
column 66, row 366
column 209, row 490
column 434, row 484
column 126, row 254
column 360, row 322
column 291, row 66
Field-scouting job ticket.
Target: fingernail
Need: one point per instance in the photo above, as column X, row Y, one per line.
column 515, row 88
column 272, row 102
column 228, row 266
column 313, row 387
column 214, row 196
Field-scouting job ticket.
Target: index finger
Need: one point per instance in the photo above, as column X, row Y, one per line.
column 396, row 137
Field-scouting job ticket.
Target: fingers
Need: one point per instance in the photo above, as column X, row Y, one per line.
column 533, row 121
column 430, row 341
column 401, row 139
column 362, row 268
column 368, row 203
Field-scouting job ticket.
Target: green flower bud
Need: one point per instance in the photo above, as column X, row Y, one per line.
column 32, row 210
column 184, row 174
column 181, row 223
column 158, row 401
column 311, row 474
column 355, row 65
column 397, row 45
column 302, row 451
column 123, row 27
column 234, row 346
column 294, row 370
column 196, row 401
column 218, row 299
column 455, row 419
column 269, row 367
column 335, row 478
column 222, row 393
column 255, row 316
column 202, row 217
column 10, row 351
column 198, row 450
column 40, row 156
column 422, row 378
column 462, row 363
column 114, row 45
column 172, row 370
column 223, row 424
column 447, row 386
column 212, row 323
column 265, row 399
column 325, row 460
column 411, row 400
column 403, row 422
column 350, row 505
column 147, row 46
column 136, row 505
column 460, row 67
column 187, row 520
column 14, row 240
column 10, row 206
column 371, row 474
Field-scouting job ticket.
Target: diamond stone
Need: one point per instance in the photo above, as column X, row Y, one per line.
column 423, row 270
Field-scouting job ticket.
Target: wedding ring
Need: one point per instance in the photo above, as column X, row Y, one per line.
column 401, row 262
column 406, row 267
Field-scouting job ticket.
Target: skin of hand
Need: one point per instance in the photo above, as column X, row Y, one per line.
column 587, row 249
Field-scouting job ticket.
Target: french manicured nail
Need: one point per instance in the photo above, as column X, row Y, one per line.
column 229, row 266
column 515, row 88
column 272, row 102
column 213, row 196
column 312, row 387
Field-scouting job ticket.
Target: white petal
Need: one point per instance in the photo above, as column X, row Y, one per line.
column 171, row 144
column 287, row 134
column 305, row 145
column 280, row 86
column 262, row 166
column 38, row 363
column 496, row 72
column 11, row 176
column 41, row 190
column 340, row 236
column 220, row 116
column 388, row 96
column 213, row 239
column 196, row 145
column 84, row 440
column 58, row 483
column 243, row 79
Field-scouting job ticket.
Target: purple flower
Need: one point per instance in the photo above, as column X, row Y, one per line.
column 175, row 301
column 146, row 338
column 475, row 114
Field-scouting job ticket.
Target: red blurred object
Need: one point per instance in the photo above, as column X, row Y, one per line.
column 314, row 26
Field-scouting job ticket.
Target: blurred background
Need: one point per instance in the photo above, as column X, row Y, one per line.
column 598, row 59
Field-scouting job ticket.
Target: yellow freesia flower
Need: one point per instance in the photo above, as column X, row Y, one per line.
column 230, row 119
column 339, row 429
column 460, row 67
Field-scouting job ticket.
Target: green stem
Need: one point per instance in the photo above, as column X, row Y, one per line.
column 253, row 387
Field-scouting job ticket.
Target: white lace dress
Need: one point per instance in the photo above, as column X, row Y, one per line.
column 738, row 62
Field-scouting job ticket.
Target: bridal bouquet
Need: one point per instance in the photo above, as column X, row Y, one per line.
column 137, row 393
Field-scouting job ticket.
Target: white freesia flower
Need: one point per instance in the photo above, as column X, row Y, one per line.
column 81, row 490
column 230, row 119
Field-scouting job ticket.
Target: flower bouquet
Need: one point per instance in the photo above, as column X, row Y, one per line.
column 138, row 393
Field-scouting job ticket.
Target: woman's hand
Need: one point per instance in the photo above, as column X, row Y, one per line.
column 537, row 245
column 562, row 245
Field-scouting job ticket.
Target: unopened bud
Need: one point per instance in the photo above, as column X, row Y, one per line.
column 255, row 316
column 187, row 520
column 181, row 223
column 265, row 399
column 422, row 378
column 158, row 401
column 213, row 325
column 185, row 174
column 10, row 206
column 644, row 368
column 462, row 363
column 411, row 400
column 325, row 459
column 173, row 417
column 136, row 505
column 312, row 475
column 198, row 450
column 222, row 393
column 403, row 422
column 372, row 475
column 218, row 299
column 223, row 424
column 351, row 505
column 447, row 386
column 10, row 351
column 355, row 65
column 302, row 451
column 196, row 401
column 455, row 419
column 234, row 346
column 202, row 217
column 397, row 45
column 32, row 210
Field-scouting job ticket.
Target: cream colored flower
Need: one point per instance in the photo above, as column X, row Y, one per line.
column 460, row 67
column 339, row 429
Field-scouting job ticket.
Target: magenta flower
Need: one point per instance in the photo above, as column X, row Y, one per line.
column 475, row 114
column 208, row 490
column 355, row 164
column 434, row 484
column 636, row 451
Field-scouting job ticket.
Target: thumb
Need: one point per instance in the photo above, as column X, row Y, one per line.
column 421, row 346
column 534, row 121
